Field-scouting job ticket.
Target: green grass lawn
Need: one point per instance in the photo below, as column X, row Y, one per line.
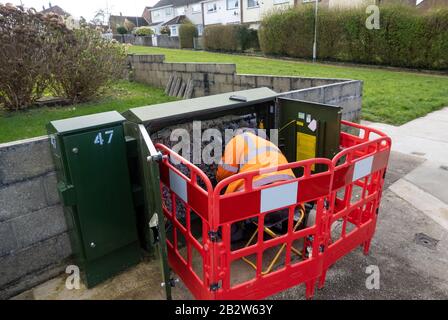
column 389, row 96
column 120, row 96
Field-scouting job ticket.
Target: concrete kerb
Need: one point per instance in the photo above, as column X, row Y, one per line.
column 422, row 200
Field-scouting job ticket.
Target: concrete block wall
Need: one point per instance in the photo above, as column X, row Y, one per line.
column 143, row 41
column 279, row 83
column 347, row 94
column 34, row 244
column 208, row 78
column 213, row 78
column 134, row 40
column 166, row 41
column 163, row 41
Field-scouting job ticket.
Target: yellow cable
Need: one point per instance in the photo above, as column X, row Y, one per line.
column 286, row 125
column 279, row 252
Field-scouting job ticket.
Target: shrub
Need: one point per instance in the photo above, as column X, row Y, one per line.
column 187, row 32
column 40, row 54
column 143, row 31
column 406, row 38
column 165, row 30
column 437, row 44
column 122, row 30
column 88, row 65
column 288, row 32
column 29, row 41
column 129, row 25
column 220, row 38
column 230, row 38
column 247, row 38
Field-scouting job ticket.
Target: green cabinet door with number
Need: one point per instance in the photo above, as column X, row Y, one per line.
column 96, row 190
column 99, row 165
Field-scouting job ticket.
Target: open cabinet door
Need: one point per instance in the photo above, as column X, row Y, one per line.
column 146, row 177
column 155, row 215
column 308, row 130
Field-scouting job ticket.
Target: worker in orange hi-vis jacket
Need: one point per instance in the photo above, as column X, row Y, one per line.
column 248, row 152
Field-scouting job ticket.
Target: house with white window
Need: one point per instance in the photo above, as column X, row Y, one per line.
column 172, row 13
column 343, row 4
column 161, row 12
column 221, row 12
column 174, row 24
column 254, row 10
column 193, row 12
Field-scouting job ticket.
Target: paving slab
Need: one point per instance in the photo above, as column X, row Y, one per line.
column 426, row 136
column 432, row 177
column 400, row 164
column 425, row 187
column 141, row 282
column 439, row 115
column 424, row 201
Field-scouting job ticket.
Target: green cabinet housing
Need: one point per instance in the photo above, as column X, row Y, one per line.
column 309, row 130
column 95, row 190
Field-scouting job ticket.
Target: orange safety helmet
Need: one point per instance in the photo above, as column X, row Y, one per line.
column 248, row 152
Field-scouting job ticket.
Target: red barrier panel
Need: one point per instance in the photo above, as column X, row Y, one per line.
column 359, row 171
column 258, row 203
column 299, row 227
column 184, row 200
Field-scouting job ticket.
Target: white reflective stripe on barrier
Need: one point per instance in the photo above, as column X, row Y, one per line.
column 278, row 197
column 178, row 185
column 362, row 168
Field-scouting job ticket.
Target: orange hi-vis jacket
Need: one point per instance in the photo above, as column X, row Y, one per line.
column 249, row 152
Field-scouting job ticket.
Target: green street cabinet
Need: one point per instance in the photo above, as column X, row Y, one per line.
column 95, row 189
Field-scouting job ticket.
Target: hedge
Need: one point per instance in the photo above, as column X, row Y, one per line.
column 122, row 30
column 406, row 38
column 143, row 31
column 230, row 38
column 187, row 32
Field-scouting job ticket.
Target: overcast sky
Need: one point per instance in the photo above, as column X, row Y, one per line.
column 87, row 8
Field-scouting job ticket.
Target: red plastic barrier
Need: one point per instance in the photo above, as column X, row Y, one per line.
column 258, row 203
column 359, row 171
column 183, row 199
column 348, row 193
